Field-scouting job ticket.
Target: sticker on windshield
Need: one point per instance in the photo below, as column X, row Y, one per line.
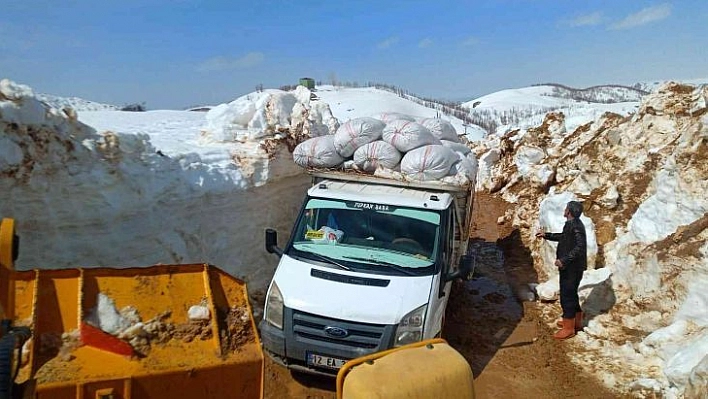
column 314, row 235
column 324, row 235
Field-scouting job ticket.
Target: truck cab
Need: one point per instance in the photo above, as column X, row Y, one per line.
column 368, row 267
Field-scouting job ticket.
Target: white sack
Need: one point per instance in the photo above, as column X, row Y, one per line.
column 388, row 117
column 466, row 166
column 317, row 152
column 370, row 157
column 406, row 135
column 441, row 129
column 457, row 147
column 355, row 133
column 431, row 162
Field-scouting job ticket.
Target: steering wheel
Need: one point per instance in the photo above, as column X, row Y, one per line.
column 407, row 242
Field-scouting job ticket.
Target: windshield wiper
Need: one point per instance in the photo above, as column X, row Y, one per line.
column 384, row 263
column 327, row 259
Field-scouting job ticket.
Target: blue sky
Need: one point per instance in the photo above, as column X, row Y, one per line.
column 172, row 54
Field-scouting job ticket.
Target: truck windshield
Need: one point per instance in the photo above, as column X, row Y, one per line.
column 368, row 237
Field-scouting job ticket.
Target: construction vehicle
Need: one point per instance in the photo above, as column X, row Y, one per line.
column 368, row 267
column 422, row 370
column 53, row 347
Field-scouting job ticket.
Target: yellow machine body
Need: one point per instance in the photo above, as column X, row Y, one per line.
column 427, row 369
column 225, row 362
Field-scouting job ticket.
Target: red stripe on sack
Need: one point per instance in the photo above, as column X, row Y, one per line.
column 350, row 132
column 373, row 149
column 425, row 158
column 312, row 153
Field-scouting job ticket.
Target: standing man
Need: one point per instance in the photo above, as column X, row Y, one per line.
column 571, row 261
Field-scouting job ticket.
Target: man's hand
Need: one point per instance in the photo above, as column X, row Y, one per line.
column 540, row 233
column 559, row 264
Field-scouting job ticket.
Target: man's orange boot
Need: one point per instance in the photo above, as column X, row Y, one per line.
column 567, row 331
column 579, row 321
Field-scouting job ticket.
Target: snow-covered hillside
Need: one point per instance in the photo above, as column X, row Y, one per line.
column 653, row 85
column 525, row 107
column 349, row 103
column 78, row 104
column 643, row 181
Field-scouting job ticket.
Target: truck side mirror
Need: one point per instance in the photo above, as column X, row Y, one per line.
column 464, row 269
column 271, row 242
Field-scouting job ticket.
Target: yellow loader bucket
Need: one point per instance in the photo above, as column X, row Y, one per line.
column 166, row 354
column 427, row 369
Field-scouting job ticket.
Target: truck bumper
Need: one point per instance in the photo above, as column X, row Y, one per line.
column 273, row 340
column 291, row 345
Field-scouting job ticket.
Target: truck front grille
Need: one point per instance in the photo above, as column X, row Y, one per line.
column 359, row 335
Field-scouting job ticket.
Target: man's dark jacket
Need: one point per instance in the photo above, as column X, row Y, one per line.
column 571, row 244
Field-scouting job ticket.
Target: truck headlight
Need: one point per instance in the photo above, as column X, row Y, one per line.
column 274, row 307
column 410, row 329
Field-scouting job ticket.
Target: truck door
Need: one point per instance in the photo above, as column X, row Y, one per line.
column 440, row 289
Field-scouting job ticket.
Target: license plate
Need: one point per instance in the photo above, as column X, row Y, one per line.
column 324, row 361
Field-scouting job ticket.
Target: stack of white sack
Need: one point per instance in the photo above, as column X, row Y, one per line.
column 425, row 150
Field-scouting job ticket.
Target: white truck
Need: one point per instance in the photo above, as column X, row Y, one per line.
column 368, row 267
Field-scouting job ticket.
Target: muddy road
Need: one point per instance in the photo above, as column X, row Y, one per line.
column 502, row 336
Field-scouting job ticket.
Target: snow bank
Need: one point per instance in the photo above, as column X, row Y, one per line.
column 83, row 198
column 258, row 115
column 75, row 103
column 643, row 181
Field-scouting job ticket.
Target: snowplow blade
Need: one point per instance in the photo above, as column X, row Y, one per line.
column 219, row 357
column 427, row 369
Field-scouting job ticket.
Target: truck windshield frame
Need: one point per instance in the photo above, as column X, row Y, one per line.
column 367, row 237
